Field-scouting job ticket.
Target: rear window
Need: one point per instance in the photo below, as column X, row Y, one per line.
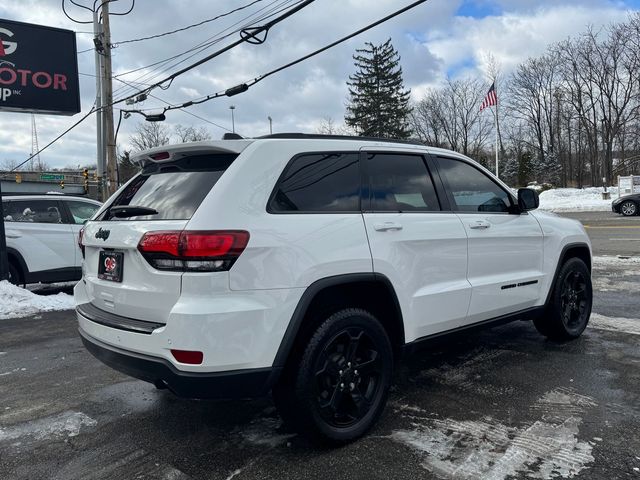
column 175, row 190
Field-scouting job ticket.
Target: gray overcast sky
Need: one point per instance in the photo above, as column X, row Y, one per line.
column 438, row 39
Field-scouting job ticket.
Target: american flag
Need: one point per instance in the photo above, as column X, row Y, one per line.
column 491, row 99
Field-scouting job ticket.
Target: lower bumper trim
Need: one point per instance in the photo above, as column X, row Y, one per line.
column 234, row 384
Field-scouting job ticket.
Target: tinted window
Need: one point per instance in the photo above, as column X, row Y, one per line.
column 32, row 211
column 328, row 182
column 400, row 183
column 472, row 190
column 81, row 211
column 175, row 190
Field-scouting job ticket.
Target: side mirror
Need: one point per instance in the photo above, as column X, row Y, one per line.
column 528, row 199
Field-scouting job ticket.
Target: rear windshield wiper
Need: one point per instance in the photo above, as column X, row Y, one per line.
column 126, row 211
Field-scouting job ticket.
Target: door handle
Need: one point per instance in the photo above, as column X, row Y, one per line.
column 386, row 226
column 479, row 225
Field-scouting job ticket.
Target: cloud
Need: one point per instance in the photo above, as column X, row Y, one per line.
column 433, row 40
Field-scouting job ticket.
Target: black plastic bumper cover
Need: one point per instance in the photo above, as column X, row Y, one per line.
column 235, row 384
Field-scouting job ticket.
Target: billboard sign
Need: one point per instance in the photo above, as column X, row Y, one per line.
column 38, row 69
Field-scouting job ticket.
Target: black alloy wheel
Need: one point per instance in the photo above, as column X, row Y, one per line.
column 569, row 308
column 348, row 376
column 337, row 389
column 575, row 305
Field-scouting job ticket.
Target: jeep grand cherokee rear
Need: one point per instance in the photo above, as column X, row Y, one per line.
column 305, row 264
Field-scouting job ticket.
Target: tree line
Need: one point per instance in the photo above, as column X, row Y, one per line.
column 569, row 117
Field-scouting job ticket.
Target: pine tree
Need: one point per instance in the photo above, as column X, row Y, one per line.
column 378, row 104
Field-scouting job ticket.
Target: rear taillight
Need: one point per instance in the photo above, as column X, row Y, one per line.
column 188, row 356
column 196, row 251
column 80, row 237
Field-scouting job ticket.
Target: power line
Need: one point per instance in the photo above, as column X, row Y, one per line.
column 247, row 35
column 117, row 44
column 161, row 66
column 93, row 110
column 239, row 88
column 243, row 87
column 184, row 111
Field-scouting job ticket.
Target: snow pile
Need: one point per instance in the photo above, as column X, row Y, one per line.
column 576, row 199
column 18, row 302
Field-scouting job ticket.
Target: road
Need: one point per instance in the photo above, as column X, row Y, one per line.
column 504, row 403
column 611, row 234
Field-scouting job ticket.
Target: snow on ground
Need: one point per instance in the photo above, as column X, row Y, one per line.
column 18, row 302
column 577, row 199
column 549, row 447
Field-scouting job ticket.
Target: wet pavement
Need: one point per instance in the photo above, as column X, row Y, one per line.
column 502, row 403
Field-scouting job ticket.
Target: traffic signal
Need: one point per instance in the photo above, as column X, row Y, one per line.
column 62, row 184
column 18, row 178
column 85, row 174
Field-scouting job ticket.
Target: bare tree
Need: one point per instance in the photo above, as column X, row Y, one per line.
column 149, row 135
column 451, row 117
column 191, row 134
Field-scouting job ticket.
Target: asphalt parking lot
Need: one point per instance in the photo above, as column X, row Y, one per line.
column 504, row 403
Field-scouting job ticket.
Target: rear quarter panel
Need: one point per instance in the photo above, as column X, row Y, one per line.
column 284, row 250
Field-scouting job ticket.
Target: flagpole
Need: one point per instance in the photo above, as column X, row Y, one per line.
column 496, row 115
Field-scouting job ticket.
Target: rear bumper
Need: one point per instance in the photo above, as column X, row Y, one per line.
column 249, row 383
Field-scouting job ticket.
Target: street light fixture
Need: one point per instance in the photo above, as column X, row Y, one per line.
column 270, row 125
column 233, row 121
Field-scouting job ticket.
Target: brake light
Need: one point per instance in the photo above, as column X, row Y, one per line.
column 160, row 156
column 80, row 237
column 200, row 251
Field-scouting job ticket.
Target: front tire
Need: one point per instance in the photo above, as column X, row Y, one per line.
column 628, row 208
column 567, row 314
column 340, row 387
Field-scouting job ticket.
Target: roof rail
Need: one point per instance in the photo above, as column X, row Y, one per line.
column 339, row 137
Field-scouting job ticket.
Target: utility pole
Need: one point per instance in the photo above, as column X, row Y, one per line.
column 99, row 48
column 107, row 86
column 4, row 259
column 233, row 121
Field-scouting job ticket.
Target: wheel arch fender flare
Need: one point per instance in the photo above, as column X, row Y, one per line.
column 312, row 291
column 579, row 250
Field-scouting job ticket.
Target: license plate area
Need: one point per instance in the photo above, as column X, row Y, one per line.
column 110, row 265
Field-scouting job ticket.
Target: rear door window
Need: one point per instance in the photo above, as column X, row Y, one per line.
column 400, row 183
column 32, row 211
column 175, row 190
column 319, row 182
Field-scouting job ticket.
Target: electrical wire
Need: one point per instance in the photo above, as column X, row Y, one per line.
column 64, row 10
column 122, row 42
column 184, row 111
column 122, row 14
column 162, row 66
column 93, row 110
column 245, row 86
column 250, row 35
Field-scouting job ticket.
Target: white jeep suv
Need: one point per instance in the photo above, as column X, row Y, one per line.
column 42, row 232
column 305, row 265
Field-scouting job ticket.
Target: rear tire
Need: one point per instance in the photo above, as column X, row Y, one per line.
column 628, row 208
column 339, row 388
column 567, row 314
column 14, row 274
